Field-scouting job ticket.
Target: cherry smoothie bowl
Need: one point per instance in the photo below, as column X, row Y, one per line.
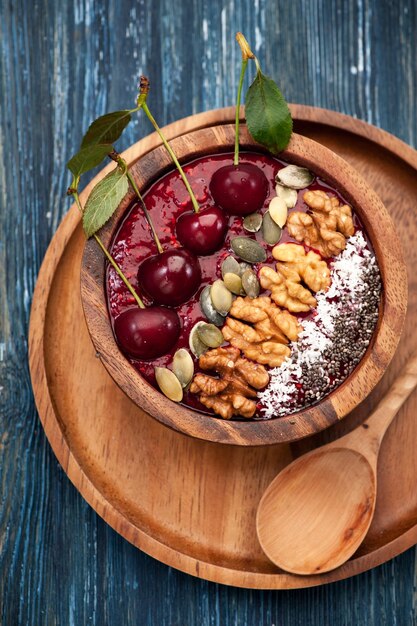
column 271, row 313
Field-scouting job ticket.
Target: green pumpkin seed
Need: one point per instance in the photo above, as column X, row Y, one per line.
column 253, row 222
column 230, row 266
column 288, row 195
column 248, row 249
column 221, row 297
column 271, row 232
column 183, row 366
column 243, row 267
column 233, row 282
column 168, row 383
column 295, row 177
column 250, row 284
column 210, row 335
column 208, row 309
column 197, row 347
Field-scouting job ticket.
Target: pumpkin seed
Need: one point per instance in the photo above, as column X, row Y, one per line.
column 243, row 267
column 230, row 266
column 250, row 284
column 278, row 211
column 233, row 282
column 197, row 347
column 208, row 309
column 183, row 366
column 248, row 249
column 288, row 195
column 271, row 232
column 295, row 177
column 168, row 383
column 210, row 335
column 252, row 223
column 221, row 297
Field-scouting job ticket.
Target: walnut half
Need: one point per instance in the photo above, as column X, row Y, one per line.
column 265, row 341
column 326, row 227
column 295, row 267
column 295, row 264
column 234, row 392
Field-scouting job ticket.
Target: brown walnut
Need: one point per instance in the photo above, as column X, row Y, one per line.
column 325, row 227
column 234, row 392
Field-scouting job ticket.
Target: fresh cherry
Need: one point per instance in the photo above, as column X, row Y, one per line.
column 171, row 277
column 239, row 189
column 147, row 333
column 203, row 233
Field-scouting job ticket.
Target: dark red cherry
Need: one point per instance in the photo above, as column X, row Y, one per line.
column 147, row 333
column 171, row 277
column 203, row 233
column 239, row 189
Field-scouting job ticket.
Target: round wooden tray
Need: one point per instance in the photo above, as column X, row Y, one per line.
column 189, row 503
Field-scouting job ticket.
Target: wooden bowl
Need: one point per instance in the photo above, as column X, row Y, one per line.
column 337, row 404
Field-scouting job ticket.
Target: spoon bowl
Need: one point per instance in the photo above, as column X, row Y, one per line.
column 316, row 500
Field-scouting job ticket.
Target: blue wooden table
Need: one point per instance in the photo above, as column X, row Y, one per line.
column 62, row 64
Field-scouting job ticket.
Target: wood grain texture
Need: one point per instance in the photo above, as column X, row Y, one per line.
column 380, row 228
column 61, row 65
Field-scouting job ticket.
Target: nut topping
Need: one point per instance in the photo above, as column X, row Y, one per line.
column 250, row 283
column 183, row 366
column 248, row 249
column 233, row 282
column 288, row 195
column 210, row 335
column 295, row 177
column 271, row 232
column 234, row 393
column 266, row 341
column 326, row 228
column 294, row 267
column 252, row 223
column 285, row 292
column 221, row 297
column 208, row 309
column 197, row 346
column 278, row 211
column 298, row 265
column 230, row 266
column 168, row 384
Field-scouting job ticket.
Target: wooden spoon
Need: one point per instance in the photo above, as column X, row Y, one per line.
column 317, row 511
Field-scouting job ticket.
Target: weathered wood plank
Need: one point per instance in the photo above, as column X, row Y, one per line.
column 61, row 65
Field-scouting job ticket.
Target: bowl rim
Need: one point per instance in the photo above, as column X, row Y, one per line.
column 357, row 386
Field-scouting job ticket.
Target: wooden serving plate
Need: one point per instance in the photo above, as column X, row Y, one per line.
column 381, row 231
column 191, row 504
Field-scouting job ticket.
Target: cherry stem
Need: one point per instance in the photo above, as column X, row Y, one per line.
column 144, row 90
column 239, row 95
column 115, row 156
column 246, row 54
column 110, row 259
column 145, row 211
column 258, row 67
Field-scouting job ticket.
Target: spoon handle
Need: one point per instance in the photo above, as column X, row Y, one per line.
column 369, row 435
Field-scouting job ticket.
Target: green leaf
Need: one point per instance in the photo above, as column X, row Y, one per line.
column 104, row 200
column 107, row 128
column 267, row 114
column 87, row 158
